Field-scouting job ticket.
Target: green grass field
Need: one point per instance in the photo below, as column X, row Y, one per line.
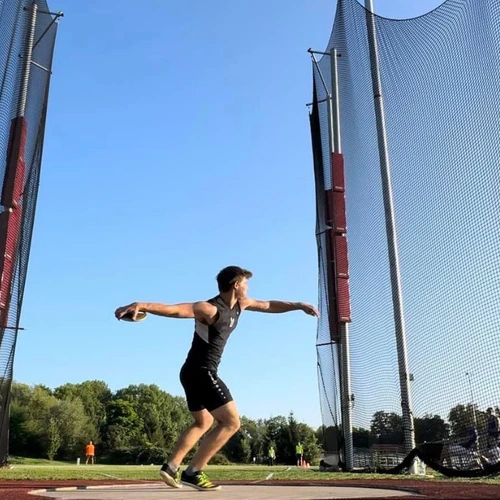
column 32, row 469
column 38, row 470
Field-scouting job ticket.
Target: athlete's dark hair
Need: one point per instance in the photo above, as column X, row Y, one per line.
column 230, row 275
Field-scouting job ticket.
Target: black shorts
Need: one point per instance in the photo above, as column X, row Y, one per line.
column 204, row 389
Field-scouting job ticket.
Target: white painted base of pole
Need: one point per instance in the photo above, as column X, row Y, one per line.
column 418, row 468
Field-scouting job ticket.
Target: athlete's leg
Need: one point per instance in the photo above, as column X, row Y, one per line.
column 202, row 423
column 170, row 472
column 217, row 399
column 228, row 423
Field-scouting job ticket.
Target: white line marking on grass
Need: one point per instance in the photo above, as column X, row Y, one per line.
column 269, row 476
column 109, row 475
column 125, row 479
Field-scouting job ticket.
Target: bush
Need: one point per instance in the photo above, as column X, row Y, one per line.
column 151, row 455
column 219, row 459
column 136, row 455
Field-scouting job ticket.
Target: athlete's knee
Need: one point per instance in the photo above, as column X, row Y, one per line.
column 202, row 420
column 228, row 418
column 231, row 424
column 202, row 426
column 235, row 425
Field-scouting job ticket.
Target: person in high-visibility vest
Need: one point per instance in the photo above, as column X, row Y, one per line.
column 271, row 455
column 299, row 451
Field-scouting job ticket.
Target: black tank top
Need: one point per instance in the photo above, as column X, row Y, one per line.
column 209, row 340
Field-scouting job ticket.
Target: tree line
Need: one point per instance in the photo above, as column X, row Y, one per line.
column 140, row 424
column 387, row 428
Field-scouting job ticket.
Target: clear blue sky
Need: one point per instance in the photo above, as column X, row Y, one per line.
column 177, row 143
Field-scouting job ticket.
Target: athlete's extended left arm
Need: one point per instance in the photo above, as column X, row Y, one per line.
column 278, row 306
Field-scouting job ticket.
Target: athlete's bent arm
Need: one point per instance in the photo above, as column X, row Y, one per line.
column 277, row 306
column 202, row 311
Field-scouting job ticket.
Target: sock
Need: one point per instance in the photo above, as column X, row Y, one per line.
column 173, row 467
column 170, row 465
column 190, row 471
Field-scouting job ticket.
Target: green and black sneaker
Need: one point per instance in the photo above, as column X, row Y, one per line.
column 170, row 477
column 199, row 480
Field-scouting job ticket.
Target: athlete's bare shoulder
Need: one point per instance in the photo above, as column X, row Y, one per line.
column 204, row 312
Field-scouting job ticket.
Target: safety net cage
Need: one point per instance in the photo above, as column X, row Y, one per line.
column 424, row 332
column 27, row 38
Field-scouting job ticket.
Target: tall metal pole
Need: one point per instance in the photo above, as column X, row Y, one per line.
column 335, row 146
column 343, row 347
column 467, row 374
column 390, row 222
column 28, row 52
column 19, row 124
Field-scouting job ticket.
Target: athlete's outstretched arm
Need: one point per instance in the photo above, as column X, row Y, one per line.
column 200, row 310
column 277, row 306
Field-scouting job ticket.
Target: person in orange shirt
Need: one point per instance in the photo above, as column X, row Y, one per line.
column 90, row 453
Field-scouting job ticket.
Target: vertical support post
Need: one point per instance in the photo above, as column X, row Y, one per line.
column 390, row 222
column 335, row 146
column 28, row 52
column 472, row 401
column 343, row 346
column 11, row 216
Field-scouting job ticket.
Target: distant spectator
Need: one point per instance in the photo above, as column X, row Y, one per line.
column 299, row 451
column 90, row 453
column 493, row 428
column 492, row 456
column 470, row 442
column 466, row 450
column 271, row 456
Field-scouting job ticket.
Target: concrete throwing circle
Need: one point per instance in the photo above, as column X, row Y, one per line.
column 229, row 492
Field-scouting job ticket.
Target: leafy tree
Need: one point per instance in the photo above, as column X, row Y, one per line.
column 460, row 418
column 74, row 426
column 123, row 424
column 430, row 428
column 387, row 428
column 361, row 437
column 137, row 424
column 255, row 430
column 95, row 396
column 39, row 401
column 307, row 436
column 54, row 438
column 160, row 417
column 238, row 448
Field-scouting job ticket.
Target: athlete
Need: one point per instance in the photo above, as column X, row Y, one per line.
column 207, row 396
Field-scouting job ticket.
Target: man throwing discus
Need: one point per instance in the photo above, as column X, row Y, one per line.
column 207, row 396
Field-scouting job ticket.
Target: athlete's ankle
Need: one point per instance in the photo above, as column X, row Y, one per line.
column 170, row 465
column 190, row 471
